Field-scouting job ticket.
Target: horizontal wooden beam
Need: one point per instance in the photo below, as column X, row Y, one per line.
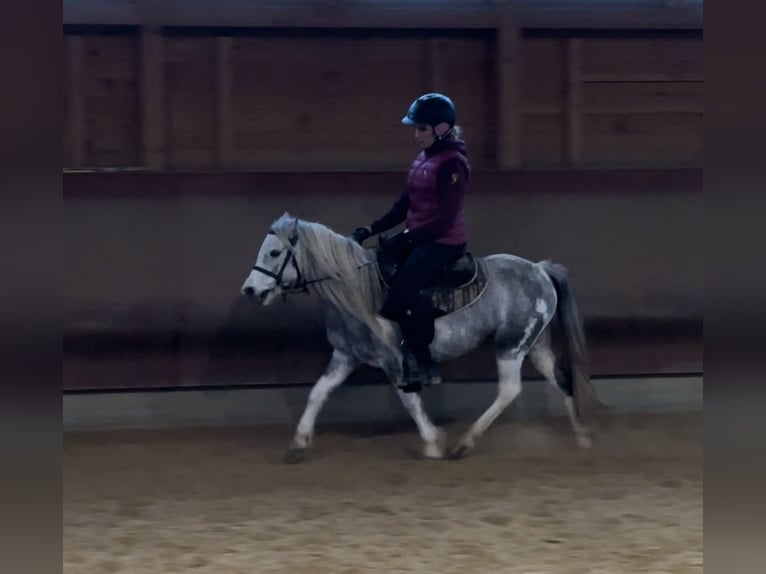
column 446, row 14
column 618, row 14
column 544, row 110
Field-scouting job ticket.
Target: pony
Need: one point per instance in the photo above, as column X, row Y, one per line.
column 515, row 310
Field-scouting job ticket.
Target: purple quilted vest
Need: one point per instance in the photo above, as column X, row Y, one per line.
column 424, row 197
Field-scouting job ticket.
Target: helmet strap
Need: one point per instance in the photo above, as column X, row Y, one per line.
column 445, row 134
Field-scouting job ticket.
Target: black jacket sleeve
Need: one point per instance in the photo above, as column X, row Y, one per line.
column 395, row 215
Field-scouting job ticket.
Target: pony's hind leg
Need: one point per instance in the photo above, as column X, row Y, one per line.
column 337, row 371
column 509, row 387
column 544, row 360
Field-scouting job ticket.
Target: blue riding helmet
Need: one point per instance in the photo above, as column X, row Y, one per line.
column 431, row 109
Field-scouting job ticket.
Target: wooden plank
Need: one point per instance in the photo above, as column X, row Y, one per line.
column 619, row 77
column 152, row 112
column 66, row 120
column 110, row 94
column 190, row 158
column 542, row 140
column 642, row 59
column 543, row 76
column 541, row 110
column 190, row 102
column 470, row 82
column 643, row 97
column 435, row 64
column 573, row 115
column 305, row 109
column 76, row 102
column 509, row 74
column 225, row 131
column 267, row 106
column 658, row 139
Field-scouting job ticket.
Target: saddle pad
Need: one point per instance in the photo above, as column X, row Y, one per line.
column 447, row 301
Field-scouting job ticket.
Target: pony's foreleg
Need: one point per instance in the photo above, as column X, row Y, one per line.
column 509, row 387
column 433, row 437
column 337, row 371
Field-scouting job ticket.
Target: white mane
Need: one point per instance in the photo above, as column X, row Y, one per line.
column 354, row 284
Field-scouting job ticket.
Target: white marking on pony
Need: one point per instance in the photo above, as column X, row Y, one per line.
column 528, row 330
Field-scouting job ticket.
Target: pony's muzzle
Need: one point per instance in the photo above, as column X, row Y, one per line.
column 259, row 295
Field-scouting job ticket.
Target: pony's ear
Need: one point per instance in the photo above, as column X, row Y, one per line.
column 293, row 235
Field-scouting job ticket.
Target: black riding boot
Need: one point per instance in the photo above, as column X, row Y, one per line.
column 418, row 330
column 418, row 373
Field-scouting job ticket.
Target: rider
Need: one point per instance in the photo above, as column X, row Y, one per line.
column 435, row 234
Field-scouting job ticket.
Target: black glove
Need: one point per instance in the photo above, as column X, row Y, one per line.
column 360, row 234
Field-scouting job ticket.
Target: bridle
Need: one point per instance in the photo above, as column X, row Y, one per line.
column 301, row 284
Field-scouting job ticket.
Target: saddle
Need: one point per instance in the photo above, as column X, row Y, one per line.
column 457, row 286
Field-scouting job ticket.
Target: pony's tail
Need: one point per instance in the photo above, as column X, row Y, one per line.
column 575, row 353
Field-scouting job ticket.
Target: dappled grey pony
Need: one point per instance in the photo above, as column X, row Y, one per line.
column 515, row 308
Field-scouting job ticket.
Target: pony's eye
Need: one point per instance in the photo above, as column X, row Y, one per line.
column 275, row 252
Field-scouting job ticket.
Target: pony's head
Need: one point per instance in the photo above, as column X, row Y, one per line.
column 276, row 269
column 297, row 254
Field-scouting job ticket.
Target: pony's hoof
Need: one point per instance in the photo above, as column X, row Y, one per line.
column 294, row 455
column 460, row 451
column 435, row 449
column 583, row 441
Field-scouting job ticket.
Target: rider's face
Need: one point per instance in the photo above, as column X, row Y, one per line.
column 424, row 135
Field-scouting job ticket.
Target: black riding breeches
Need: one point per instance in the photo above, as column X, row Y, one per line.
column 405, row 305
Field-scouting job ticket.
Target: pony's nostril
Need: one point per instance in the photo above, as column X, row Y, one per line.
column 249, row 291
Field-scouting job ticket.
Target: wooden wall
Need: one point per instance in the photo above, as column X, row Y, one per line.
column 190, row 98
